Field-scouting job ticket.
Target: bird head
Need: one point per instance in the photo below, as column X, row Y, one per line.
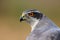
column 31, row 16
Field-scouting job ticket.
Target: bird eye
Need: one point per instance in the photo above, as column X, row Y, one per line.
column 31, row 14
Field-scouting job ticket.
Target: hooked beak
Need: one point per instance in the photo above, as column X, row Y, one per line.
column 22, row 18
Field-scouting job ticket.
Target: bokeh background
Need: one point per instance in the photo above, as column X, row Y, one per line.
column 10, row 11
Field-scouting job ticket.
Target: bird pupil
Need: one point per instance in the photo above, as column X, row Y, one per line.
column 31, row 14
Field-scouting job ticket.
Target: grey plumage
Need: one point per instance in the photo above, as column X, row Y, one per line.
column 48, row 31
column 44, row 28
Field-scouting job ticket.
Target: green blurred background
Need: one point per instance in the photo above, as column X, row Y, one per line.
column 10, row 11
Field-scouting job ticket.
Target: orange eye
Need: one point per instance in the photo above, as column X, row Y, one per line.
column 31, row 14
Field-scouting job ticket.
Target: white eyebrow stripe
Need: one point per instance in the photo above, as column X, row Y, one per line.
column 25, row 12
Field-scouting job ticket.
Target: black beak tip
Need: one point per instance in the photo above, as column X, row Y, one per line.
column 21, row 19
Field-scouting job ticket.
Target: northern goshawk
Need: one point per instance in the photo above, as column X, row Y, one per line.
column 42, row 27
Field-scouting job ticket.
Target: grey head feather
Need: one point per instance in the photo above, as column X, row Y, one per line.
column 31, row 10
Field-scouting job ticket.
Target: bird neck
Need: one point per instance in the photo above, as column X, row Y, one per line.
column 43, row 23
column 34, row 25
